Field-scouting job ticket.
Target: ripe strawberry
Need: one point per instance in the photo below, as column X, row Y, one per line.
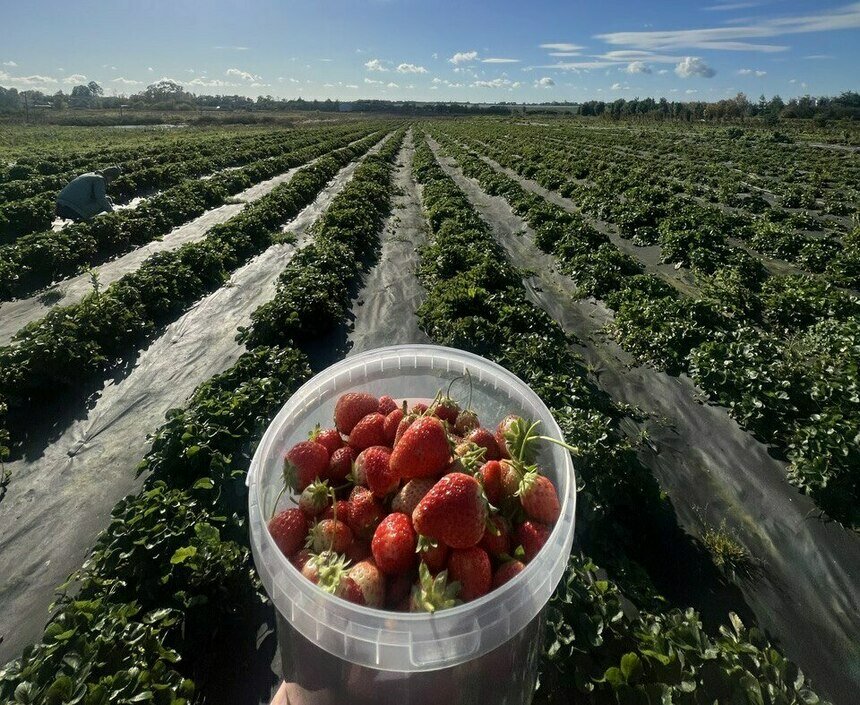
column 389, row 428
column 397, row 589
column 422, row 451
column 359, row 550
column 289, row 529
column 454, row 511
column 339, row 510
column 467, row 420
column 369, row 431
column 419, row 408
column 352, row 408
column 373, row 469
column 386, row 405
column 446, row 409
column 393, row 544
column 436, row 557
column 365, row 512
column 532, row 536
column 433, row 593
column 326, row 569
column 497, row 543
column 305, row 462
column 315, row 498
column 364, row 584
column 410, row 494
column 340, row 464
column 482, row 437
column 329, row 535
column 329, row 438
column 490, row 476
column 512, row 474
column 471, row 568
column 539, row 498
column 300, row 558
column 506, row 571
column 405, row 423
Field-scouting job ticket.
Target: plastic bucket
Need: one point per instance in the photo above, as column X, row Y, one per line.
column 334, row 651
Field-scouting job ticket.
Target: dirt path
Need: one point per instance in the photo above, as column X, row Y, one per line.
column 79, row 477
column 14, row 315
column 385, row 310
column 805, row 591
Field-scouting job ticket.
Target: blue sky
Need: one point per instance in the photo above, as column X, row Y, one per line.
column 437, row 50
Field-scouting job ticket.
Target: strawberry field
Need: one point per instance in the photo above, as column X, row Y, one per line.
column 684, row 299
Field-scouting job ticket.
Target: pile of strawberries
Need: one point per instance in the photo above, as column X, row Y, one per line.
column 417, row 509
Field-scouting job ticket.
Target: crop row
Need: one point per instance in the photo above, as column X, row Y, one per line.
column 170, row 583
column 781, row 352
column 76, row 343
column 35, row 260
column 594, row 650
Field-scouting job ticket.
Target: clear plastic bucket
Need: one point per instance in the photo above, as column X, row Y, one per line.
column 334, row 651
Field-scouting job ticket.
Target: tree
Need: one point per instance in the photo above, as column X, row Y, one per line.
column 95, row 89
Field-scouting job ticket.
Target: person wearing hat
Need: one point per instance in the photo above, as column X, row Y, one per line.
column 86, row 195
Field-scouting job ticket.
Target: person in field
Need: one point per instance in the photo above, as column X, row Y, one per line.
column 86, row 195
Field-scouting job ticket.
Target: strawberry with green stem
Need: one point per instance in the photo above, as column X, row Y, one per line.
column 433, row 593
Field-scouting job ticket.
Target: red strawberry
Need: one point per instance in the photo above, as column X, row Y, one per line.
column 300, row 558
column 491, row 479
column 423, row 450
column 392, row 422
column 329, row 438
column 482, row 437
column 471, row 568
column 512, row 474
column 359, row 551
column 539, row 498
column 329, row 535
column 341, row 508
column 315, row 498
column 289, row 529
column 532, row 536
column 397, row 588
column 410, row 494
column 503, row 431
column 405, row 423
column 506, row 571
column 454, row 511
column 365, row 512
column 305, row 462
column 369, row 431
column 340, row 464
column 386, row 405
column 393, row 544
column 446, row 409
column 373, row 469
column 436, row 557
column 498, row 542
column 467, row 420
column 352, row 408
column 419, row 408
column 364, row 584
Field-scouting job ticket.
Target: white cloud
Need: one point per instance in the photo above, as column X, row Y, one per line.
column 371, row 82
column 496, row 60
column 10, row 64
column 211, row 83
column 497, row 83
column 35, row 81
column 565, row 53
column 637, row 67
column 751, row 72
column 126, row 81
column 244, row 75
column 693, row 66
column 410, row 68
column 435, row 55
column 819, row 57
column 690, row 91
column 294, row 80
column 351, row 85
column 258, row 84
column 328, row 85
column 462, row 57
column 232, row 48
column 149, row 68
column 391, row 84
column 189, row 71
column 374, row 65
column 545, row 82
column 728, row 6
column 617, row 87
column 561, row 46
column 663, row 72
column 327, row 61
column 75, row 79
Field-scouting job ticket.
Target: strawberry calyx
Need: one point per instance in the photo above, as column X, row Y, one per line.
column 331, row 569
column 521, row 438
column 468, row 458
column 527, row 481
column 317, row 495
column 434, row 593
column 425, row 543
column 315, row 432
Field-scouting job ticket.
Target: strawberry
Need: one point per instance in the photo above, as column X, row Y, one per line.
column 386, row 405
column 393, row 544
column 497, row 540
column 405, row 423
column 515, row 438
column 454, row 511
column 352, row 408
column 315, row 498
column 506, row 571
column 300, row 558
column 340, row 464
column 359, row 550
column 532, row 536
column 422, row 450
column 419, row 408
column 369, row 431
column 339, row 510
column 482, row 437
column 433, row 593
column 289, row 529
column 364, row 584
column 435, row 556
column 471, row 568
column 392, row 423
column 329, row 535
column 446, row 409
column 468, row 458
column 410, row 494
column 373, row 469
column 326, row 569
column 512, row 474
column 467, row 420
column 539, row 498
column 365, row 512
column 305, row 462
column 329, row 438
column 502, row 429
column 398, row 588
column 490, row 476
